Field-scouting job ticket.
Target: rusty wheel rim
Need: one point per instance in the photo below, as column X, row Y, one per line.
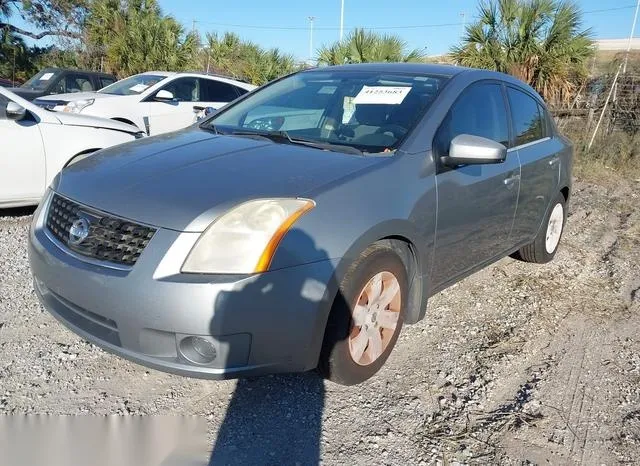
column 374, row 318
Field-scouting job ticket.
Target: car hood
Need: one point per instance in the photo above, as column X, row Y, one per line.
column 184, row 180
column 72, row 96
column 27, row 94
column 75, row 119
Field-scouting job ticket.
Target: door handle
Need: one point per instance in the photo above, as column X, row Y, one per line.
column 512, row 179
column 553, row 161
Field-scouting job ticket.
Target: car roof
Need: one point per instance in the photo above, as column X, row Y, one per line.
column 448, row 71
column 414, row 68
column 201, row 74
column 74, row 70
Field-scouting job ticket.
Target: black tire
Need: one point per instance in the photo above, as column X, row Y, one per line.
column 336, row 362
column 536, row 252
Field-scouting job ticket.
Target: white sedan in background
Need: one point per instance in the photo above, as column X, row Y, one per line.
column 35, row 144
column 156, row 102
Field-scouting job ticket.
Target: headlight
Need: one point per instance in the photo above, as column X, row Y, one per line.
column 245, row 239
column 78, row 105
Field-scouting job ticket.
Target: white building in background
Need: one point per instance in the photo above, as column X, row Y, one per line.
column 618, row 44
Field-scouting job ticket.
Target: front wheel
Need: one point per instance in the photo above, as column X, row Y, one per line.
column 544, row 247
column 366, row 317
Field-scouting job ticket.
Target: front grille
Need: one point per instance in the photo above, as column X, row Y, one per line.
column 107, row 238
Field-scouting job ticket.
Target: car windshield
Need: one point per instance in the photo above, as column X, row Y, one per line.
column 369, row 111
column 42, row 80
column 132, row 86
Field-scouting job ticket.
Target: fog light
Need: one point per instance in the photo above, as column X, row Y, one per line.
column 198, row 350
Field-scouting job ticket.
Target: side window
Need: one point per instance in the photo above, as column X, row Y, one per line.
column 73, row 83
column 184, row 89
column 104, row 82
column 528, row 123
column 216, row 91
column 479, row 111
column 240, row 90
column 79, row 83
column 548, row 123
column 3, row 107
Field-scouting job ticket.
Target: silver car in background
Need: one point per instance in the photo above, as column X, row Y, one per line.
column 302, row 225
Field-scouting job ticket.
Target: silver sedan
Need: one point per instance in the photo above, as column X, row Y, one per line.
column 302, row 225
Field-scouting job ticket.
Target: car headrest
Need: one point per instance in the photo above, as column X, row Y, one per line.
column 372, row 114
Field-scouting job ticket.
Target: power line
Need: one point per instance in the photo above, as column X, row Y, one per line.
column 417, row 26
column 373, row 28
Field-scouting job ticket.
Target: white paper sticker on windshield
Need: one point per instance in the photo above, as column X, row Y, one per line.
column 138, row 87
column 390, row 95
column 46, row 77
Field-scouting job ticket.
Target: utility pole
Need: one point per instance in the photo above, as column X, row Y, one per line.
column 341, row 20
column 311, row 20
column 633, row 28
column 464, row 24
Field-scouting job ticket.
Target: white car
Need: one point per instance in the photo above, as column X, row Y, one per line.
column 35, row 144
column 156, row 102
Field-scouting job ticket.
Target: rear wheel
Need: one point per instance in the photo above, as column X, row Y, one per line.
column 544, row 247
column 366, row 317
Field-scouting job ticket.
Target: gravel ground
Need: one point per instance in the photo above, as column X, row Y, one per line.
column 518, row 364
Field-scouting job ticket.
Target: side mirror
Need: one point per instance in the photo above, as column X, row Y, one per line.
column 466, row 149
column 164, row 96
column 15, row 111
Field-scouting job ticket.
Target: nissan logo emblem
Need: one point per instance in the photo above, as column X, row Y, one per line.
column 79, row 231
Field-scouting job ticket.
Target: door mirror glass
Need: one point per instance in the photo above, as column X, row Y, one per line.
column 468, row 149
column 15, row 111
column 164, row 96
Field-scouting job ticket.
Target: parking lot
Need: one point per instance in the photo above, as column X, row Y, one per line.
column 516, row 362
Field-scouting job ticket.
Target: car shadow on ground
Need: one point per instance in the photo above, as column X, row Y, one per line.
column 272, row 420
column 277, row 419
column 17, row 211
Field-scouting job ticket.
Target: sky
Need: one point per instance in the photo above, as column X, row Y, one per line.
column 258, row 20
column 430, row 25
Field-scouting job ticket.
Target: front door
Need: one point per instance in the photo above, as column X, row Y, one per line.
column 22, row 163
column 176, row 114
column 476, row 203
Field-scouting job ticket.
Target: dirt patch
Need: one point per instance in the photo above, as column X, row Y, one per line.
column 517, row 364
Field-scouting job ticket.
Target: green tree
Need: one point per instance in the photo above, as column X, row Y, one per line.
column 229, row 54
column 135, row 36
column 540, row 42
column 48, row 17
column 362, row 46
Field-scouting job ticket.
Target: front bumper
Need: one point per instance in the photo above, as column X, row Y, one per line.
column 266, row 323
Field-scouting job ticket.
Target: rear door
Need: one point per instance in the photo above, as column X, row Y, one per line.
column 538, row 151
column 22, row 163
column 476, row 203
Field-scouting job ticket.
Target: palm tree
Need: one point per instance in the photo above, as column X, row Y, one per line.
column 362, row 46
column 245, row 60
column 136, row 36
column 540, row 42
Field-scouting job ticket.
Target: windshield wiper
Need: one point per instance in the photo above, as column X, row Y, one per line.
column 283, row 136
